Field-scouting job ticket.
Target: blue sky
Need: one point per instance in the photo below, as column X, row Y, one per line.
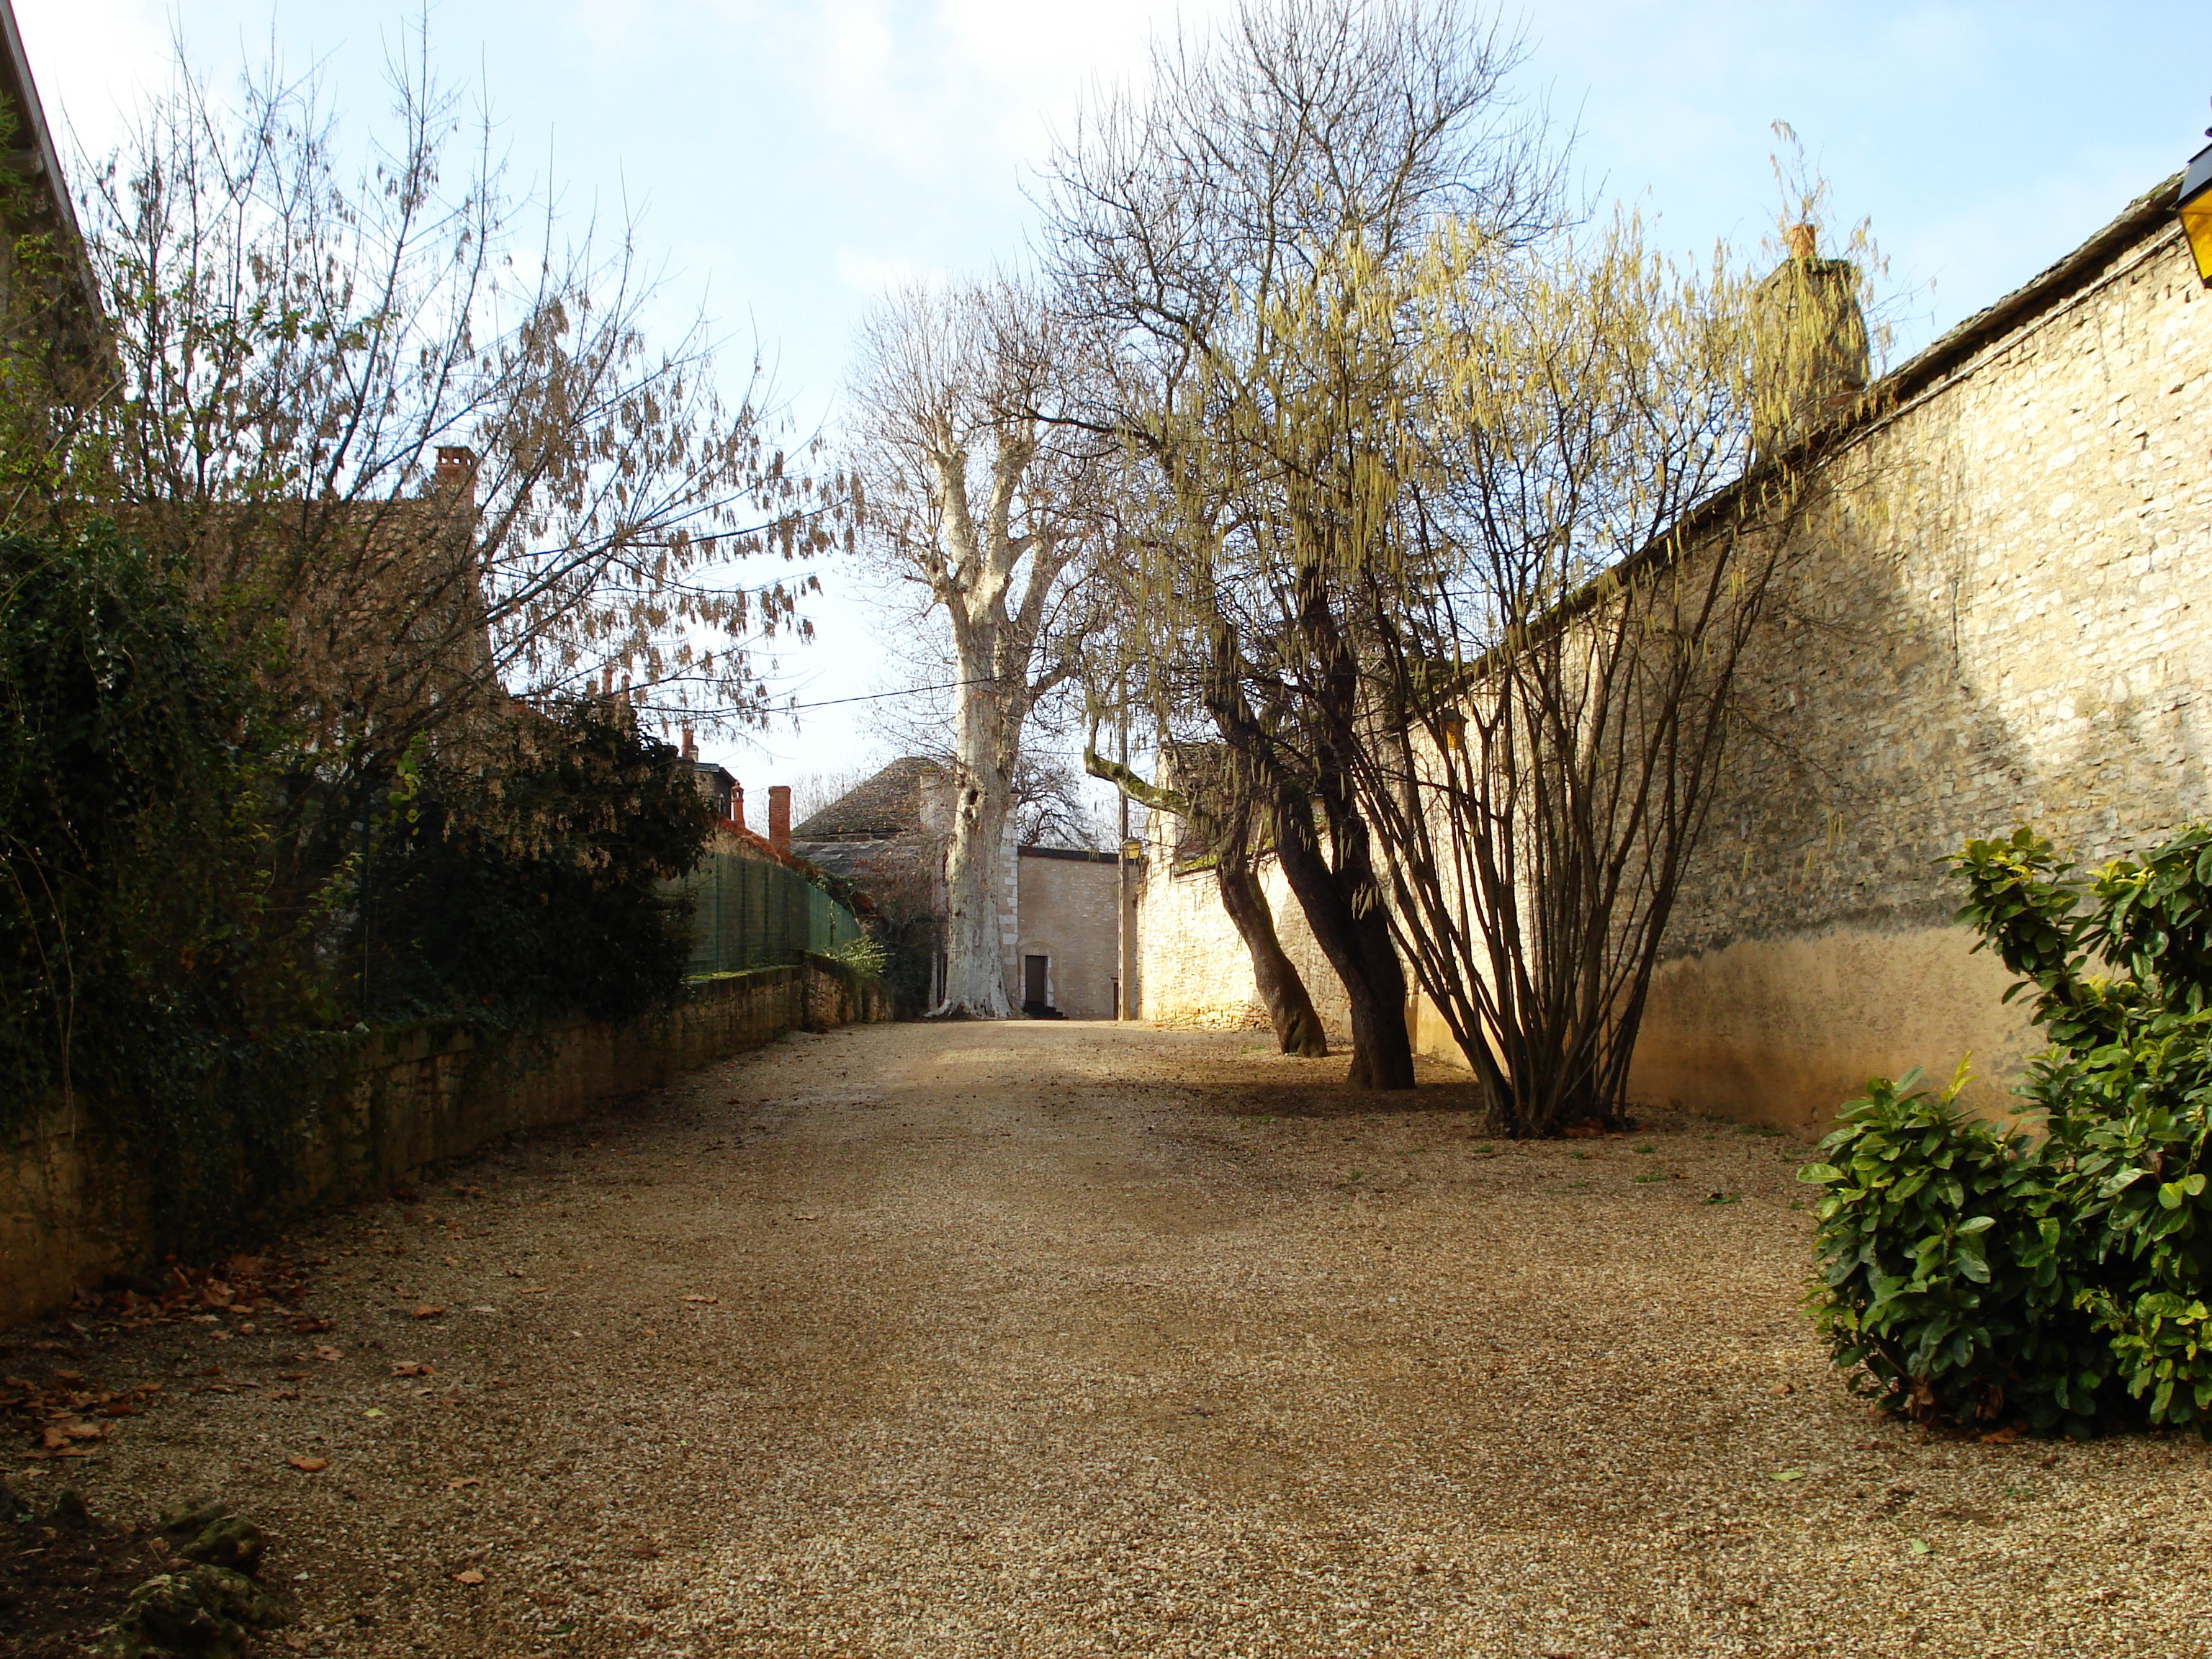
column 788, row 160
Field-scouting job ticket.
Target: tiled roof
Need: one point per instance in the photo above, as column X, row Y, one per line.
column 887, row 805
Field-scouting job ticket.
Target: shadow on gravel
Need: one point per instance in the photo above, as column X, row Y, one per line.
column 1335, row 1100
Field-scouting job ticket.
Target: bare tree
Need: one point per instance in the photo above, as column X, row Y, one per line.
column 1550, row 658
column 1258, row 176
column 415, row 449
column 977, row 493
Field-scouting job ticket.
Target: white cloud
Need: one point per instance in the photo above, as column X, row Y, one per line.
column 956, row 85
column 871, row 275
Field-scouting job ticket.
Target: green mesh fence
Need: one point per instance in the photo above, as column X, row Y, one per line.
column 748, row 913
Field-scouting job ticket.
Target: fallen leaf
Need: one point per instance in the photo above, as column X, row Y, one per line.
column 806, row 1218
column 461, row 1480
column 471, row 1577
column 426, row 1311
column 532, row 1289
column 702, row 1299
column 323, row 1351
column 282, row 1376
column 1922, row 1546
column 68, row 1376
column 373, row 1411
column 309, row 1465
column 1786, row 1474
column 2004, row 1437
column 1781, row 1389
column 412, row 1368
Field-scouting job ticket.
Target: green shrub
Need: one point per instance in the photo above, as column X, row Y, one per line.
column 527, row 884
column 1941, row 1289
column 865, row 954
column 1970, row 1273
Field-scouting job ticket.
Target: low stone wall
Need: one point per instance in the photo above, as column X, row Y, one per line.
column 72, row 1207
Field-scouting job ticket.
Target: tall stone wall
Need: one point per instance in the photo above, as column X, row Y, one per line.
column 1195, row 970
column 2006, row 618
column 73, row 1204
column 2002, row 614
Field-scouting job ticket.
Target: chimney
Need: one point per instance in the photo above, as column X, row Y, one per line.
column 778, row 817
column 1809, row 357
column 737, row 805
column 456, row 478
column 691, row 749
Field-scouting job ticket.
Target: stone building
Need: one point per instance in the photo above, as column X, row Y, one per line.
column 2005, row 623
column 1060, row 935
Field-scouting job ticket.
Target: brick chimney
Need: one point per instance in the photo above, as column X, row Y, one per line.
column 456, row 478
column 737, row 805
column 690, row 750
column 778, row 817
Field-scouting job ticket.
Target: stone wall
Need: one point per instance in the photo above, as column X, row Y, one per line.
column 2005, row 621
column 1195, row 971
column 2001, row 617
column 72, row 1207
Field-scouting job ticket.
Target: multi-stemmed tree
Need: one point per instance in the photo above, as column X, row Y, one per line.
column 1195, row 221
column 1455, row 560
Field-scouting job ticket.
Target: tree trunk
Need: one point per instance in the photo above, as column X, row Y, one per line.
column 975, row 858
column 1290, row 1009
column 1344, row 907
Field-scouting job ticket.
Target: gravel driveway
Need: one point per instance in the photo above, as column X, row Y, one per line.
column 1043, row 1338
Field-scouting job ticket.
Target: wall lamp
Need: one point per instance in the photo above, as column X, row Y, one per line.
column 2196, row 209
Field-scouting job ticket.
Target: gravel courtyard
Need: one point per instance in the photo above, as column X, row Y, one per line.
column 1044, row 1339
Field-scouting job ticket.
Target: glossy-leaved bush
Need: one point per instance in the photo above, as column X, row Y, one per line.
column 2055, row 1272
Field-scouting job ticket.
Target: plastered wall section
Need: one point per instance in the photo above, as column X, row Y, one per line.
column 1067, row 917
column 1196, row 972
column 72, row 1205
column 2004, row 616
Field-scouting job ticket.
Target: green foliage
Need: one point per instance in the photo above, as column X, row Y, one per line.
column 148, row 970
column 1941, row 1289
column 2080, row 1298
column 867, row 955
column 532, row 889
column 179, row 953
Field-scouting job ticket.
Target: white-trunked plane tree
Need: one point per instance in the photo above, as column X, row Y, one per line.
column 976, row 493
